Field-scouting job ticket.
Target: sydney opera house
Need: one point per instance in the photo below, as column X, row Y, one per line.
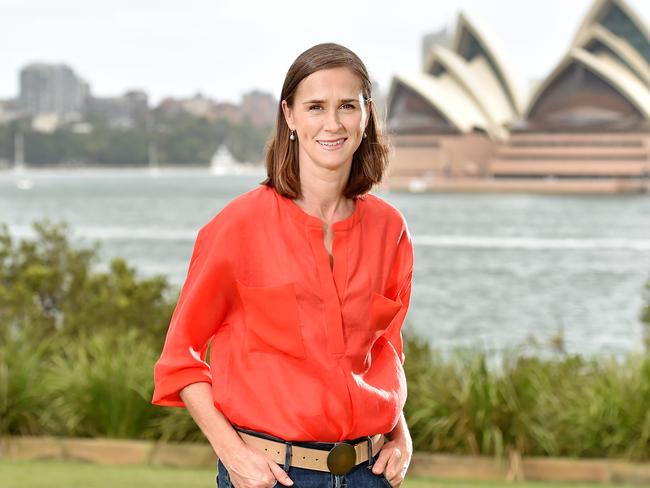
column 461, row 124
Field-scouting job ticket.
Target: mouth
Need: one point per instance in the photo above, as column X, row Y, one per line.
column 332, row 144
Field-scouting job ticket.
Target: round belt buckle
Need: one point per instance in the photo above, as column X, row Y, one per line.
column 341, row 458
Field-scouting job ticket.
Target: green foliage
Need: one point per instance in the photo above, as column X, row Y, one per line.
column 50, row 287
column 179, row 139
column 247, row 142
column 115, row 147
column 22, row 399
column 176, row 424
column 101, row 385
column 563, row 406
column 77, row 345
column 38, row 278
column 189, row 140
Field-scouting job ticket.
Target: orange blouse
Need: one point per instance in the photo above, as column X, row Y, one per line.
column 298, row 350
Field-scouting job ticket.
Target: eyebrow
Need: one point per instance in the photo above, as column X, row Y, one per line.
column 345, row 100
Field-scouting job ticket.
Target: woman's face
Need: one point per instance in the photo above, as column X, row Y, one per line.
column 329, row 117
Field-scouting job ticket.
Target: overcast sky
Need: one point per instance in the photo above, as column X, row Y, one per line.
column 224, row 48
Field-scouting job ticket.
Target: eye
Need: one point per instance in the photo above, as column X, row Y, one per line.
column 315, row 107
column 348, row 106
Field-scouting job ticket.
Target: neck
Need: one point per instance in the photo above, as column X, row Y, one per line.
column 322, row 194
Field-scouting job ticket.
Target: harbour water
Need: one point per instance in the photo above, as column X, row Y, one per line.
column 492, row 271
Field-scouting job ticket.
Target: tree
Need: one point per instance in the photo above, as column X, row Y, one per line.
column 49, row 287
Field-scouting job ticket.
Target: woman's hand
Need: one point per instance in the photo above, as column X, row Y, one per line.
column 249, row 468
column 394, row 459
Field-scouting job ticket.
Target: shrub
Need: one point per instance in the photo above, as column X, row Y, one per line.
column 560, row 406
column 50, row 288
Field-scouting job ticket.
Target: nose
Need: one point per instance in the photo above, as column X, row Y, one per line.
column 332, row 122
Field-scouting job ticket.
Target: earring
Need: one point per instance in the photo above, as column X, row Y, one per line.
column 292, row 136
column 365, row 135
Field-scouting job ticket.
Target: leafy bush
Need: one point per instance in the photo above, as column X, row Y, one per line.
column 50, row 288
column 77, row 346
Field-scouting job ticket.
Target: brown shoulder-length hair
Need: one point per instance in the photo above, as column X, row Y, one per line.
column 369, row 161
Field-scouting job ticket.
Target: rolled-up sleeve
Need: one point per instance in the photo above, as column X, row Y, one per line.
column 202, row 305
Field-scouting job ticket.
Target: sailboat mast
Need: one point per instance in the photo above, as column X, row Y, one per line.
column 19, row 150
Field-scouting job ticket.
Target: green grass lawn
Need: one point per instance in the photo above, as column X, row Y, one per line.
column 56, row 474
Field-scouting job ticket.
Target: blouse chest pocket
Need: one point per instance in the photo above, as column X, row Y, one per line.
column 382, row 312
column 272, row 322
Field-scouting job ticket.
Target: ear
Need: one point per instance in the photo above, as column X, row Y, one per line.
column 288, row 114
column 369, row 108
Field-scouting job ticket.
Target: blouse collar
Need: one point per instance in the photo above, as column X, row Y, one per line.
column 312, row 221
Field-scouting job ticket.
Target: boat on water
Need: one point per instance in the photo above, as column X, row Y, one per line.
column 223, row 163
column 152, row 155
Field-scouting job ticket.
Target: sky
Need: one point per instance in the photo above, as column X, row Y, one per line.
column 224, row 48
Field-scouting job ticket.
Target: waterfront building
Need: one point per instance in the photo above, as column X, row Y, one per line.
column 121, row 112
column 52, row 89
column 199, row 106
column 462, row 124
column 259, row 108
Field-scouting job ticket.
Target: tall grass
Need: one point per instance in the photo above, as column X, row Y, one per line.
column 101, row 386
column 566, row 406
column 85, row 387
column 23, row 393
column 458, row 402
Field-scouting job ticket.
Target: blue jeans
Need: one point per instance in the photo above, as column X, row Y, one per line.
column 359, row 477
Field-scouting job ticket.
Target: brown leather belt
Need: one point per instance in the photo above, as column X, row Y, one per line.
column 340, row 459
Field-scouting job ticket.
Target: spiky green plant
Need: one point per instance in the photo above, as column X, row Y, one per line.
column 102, row 386
column 23, row 398
column 561, row 406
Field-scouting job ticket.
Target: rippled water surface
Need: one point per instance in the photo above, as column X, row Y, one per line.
column 491, row 270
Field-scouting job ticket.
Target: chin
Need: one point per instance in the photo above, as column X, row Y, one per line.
column 338, row 161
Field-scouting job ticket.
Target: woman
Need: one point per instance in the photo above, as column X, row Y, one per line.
column 301, row 285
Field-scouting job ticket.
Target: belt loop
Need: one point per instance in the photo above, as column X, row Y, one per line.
column 370, row 458
column 287, row 456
